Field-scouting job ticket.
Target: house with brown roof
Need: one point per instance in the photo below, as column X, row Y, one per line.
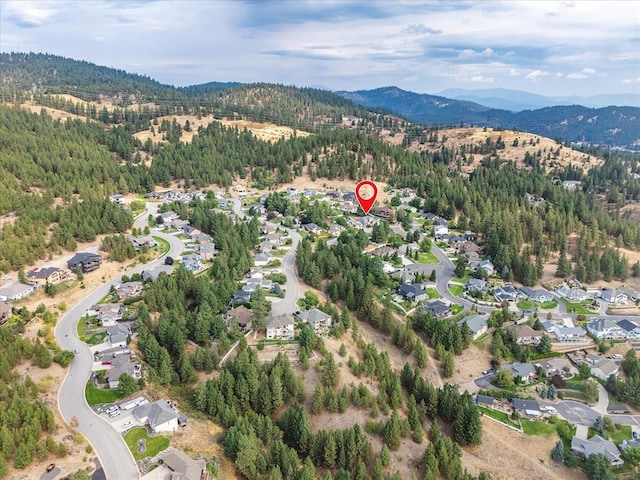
column 525, row 335
column 44, row 276
column 241, row 315
column 181, row 466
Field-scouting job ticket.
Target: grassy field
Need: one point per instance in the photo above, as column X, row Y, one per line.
column 96, row 338
column 154, row 444
column 456, row 290
column 96, row 396
column 433, row 293
column 576, row 307
column 497, row 415
column 538, row 428
column 427, row 258
column 466, row 277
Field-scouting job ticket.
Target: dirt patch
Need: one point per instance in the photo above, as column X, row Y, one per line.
column 508, row 455
column 470, row 364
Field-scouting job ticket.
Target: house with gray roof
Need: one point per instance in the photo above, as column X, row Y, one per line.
column 571, row 334
column 160, row 415
column 537, row 295
column 486, row 265
column 181, row 466
column 119, row 366
column 632, row 330
column 476, row 323
column 318, row 320
column 118, row 335
column 604, row 369
column 528, row 408
column 280, row 327
column 109, row 313
column 485, row 401
column 153, row 274
column 596, row 444
column 438, row 308
column 15, row 291
column 476, row 285
column 526, row 371
column 606, row 329
column 505, row 294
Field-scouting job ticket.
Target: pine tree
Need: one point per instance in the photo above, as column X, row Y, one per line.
column 391, row 434
column 564, row 266
column 558, row 452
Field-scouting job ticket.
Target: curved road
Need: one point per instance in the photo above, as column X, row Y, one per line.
column 115, row 457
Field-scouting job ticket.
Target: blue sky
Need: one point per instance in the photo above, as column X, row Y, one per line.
column 551, row 48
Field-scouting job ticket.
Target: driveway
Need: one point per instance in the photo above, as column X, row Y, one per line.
column 577, row 412
column 485, row 382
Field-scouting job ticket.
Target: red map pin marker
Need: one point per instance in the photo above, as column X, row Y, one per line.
column 366, row 193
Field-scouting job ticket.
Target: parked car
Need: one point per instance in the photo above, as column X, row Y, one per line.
column 76, row 351
column 635, row 435
column 114, row 414
column 127, row 424
column 486, row 372
column 106, row 362
column 51, row 466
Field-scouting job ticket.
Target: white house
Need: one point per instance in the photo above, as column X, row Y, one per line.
column 477, row 324
column 538, row 295
column 597, row 444
column 318, row 320
column 280, row 327
column 604, row 368
column 161, row 416
column 613, row 295
column 118, row 335
column 486, row 265
column 570, row 334
column 15, row 291
column 607, row 329
column 632, row 330
column 109, row 314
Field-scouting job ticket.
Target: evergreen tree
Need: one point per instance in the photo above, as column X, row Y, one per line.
column 391, row 434
column 558, row 452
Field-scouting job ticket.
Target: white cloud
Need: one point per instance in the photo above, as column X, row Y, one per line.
column 583, row 74
column 559, row 75
column 421, row 29
column 631, row 80
column 536, row 74
column 470, row 53
column 481, row 79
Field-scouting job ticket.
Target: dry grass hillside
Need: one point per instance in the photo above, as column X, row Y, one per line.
column 455, row 138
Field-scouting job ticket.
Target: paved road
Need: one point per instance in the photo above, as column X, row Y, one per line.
column 292, row 292
column 114, row 455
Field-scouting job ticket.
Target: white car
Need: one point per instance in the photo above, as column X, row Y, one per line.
column 114, row 414
column 552, row 410
column 127, row 424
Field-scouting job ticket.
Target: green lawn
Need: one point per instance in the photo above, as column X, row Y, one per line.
column 576, row 307
column 497, row 415
column 466, row 277
column 525, row 304
column 538, row 428
column 163, row 245
column 433, row 293
column 96, row 338
column 96, row 396
column 427, row 258
column 154, row 444
column 574, row 394
column 455, row 309
column 456, row 290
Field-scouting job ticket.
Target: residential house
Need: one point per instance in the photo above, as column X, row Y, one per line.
column 554, row 366
column 119, row 366
column 15, row 291
column 201, row 238
column 280, row 327
column 486, row 265
column 240, row 297
column 313, row 228
column 262, row 259
column 118, row 335
column 469, row 235
column 384, row 212
column 206, row 251
column 408, row 248
column 412, row 293
column 467, row 247
column 485, row 401
column 143, row 241
column 129, row 290
column 398, row 230
column 632, row 330
column 476, row 286
column 604, row 369
column 431, row 217
column 192, row 262
column 606, row 329
column 336, row 229
column 476, row 323
column 438, row 308
column 441, row 222
column 404, row 276
column 44, row 276
column 318, row 320
column 109, row 313
column 525, row 335
column 119, row 199
column 160, row 415
column 241, row 316
column 526, row 371
column 182, row 466
column 382, row 251
column 86, row 261
column 168, row 218
column 571, row 334
column 593, row 358
column 537, row 295
column 505, row 294
column 613, row 295
column 275, row 239
column 596, row 444
column 571, row 184
column 153, row 274
column 178, row 224
column 265, row 247
column 440, row 230
column 5, row 312
column 189, row 230
column 632, row 293
column 526, row 408
column 573, row 294
column 472, row 257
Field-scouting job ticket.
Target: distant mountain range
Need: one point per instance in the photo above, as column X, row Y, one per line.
column 610, row 126
column 518, row 100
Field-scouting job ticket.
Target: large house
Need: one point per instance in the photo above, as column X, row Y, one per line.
column 160, row 415
column 44, row 276
column 506, row 293
column 15, row 291
column 527, row 408
column 241, row 315
column 596, row 444
column 119, row 366
column 118, row 335
column 153, row 274
column 555, row 366
column 412, row 293
column 573, row 294
column 570, row 334
column 109, row 313
column 486, row 265
column 476, row 323
column 86, row 261
column 129, row 290
column 143, row 241
column 438, row 308
column 525, row 335
column 318, row 320
column 606, row 329
column 5, row 313
column 182, row 466
column 192, row 262
column 280, row 327
column 525, row 371
column 476, row 286
column 537, row 295
column 613, row 295
column 604, row 369
column 632, row 330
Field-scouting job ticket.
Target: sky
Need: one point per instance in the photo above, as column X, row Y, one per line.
column 551, row 48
